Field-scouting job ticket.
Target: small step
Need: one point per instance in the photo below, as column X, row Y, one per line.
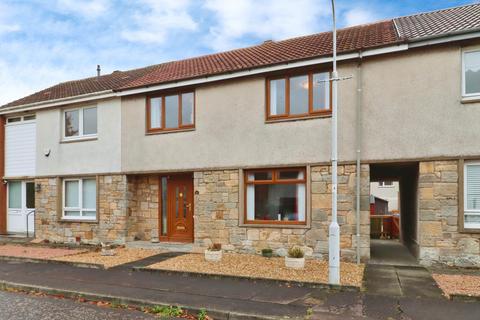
column 167, row 246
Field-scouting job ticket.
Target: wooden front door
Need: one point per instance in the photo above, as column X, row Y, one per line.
column 180, row 208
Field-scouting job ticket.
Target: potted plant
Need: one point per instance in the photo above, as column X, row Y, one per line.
column 295, row 258
column 214, row 252
column 267, row 252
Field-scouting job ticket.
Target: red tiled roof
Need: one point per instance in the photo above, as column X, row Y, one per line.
column 81, row 87
column 459, row 19
column 269, row 53
column 383, row 33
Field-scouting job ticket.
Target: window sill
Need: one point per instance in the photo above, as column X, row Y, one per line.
column 468, row 230
column 275, row 225
column 81, row 139
column 317, row 116
column 74, row 220
column 470, row 99
column 149, row 133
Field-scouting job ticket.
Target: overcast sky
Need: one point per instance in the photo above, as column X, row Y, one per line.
column 44, row 42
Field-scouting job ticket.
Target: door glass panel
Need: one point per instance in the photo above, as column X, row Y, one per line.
column 187, row 108
column 15, row 195
column 185, row 202
column 164, row 206
column 171, row 111
column 72, row 123
column 71, row 194
column 30, row 186
column 299, row 95
column 176, row 202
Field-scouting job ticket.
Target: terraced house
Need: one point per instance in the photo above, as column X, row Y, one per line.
column 234, row 147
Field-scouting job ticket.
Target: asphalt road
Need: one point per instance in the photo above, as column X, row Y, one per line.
column 19, row 306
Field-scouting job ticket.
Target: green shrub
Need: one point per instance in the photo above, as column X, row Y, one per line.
column 295, row 252
column 267, row 252
column 202, row 314
column 170, row 311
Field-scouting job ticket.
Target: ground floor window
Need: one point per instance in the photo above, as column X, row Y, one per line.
column 80, row 199
column 275, row 196
column 472, row 195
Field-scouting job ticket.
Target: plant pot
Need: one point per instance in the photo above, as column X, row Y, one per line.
column 294, row 263
column 213, row 256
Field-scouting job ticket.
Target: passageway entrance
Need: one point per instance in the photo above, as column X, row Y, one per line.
column 393, row 213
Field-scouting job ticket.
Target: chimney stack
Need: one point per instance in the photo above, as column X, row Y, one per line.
column 98, row 70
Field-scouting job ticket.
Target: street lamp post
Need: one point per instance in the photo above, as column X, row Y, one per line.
column 334, row 229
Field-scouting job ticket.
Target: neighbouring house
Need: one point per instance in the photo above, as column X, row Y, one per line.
column 388, row 191
column 234, row 147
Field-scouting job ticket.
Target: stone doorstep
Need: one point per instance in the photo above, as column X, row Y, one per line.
column 313, row 285
column 38, row 260
column 215, row 314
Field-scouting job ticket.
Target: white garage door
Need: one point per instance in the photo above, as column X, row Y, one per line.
column 20, row 146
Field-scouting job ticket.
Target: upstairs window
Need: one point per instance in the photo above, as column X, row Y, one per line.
column 80, row 123
column 298, row 96
column 171, row 112
column 472, row 195
column 275, row 196
column 471, row 73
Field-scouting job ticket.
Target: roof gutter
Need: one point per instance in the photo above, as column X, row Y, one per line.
column 110, row 93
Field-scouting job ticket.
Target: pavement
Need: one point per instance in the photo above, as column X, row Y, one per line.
column 19, row 306
column 390, row 293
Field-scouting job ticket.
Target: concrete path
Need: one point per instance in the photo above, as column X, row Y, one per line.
column 234, row 297
column 413, row 282
column 390, row 252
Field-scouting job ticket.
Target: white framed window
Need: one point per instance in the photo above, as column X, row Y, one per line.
column 80, row 199
column 471, row 72
column 80, row 123
column 21, row 119
column 471, row 195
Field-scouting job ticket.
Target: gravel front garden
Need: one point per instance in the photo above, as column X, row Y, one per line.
column 458, row 284
column 34, row 252
column 122, row 256
column 254, row 266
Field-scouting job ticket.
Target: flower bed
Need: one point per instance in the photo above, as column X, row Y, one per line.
column 253, row 266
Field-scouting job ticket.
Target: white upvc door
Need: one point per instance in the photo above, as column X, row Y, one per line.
column 20, row 202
